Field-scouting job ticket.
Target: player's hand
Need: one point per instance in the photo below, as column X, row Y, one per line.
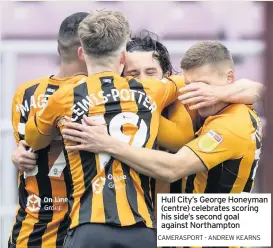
column 24, row 160
column 199, row 95
column 89, row 136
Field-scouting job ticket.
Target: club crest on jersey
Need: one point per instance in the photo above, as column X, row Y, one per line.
column 209, row 141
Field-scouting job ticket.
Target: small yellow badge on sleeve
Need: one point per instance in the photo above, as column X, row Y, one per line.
column 209, row 141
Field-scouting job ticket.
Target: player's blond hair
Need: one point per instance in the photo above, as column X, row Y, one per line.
column 104, row 34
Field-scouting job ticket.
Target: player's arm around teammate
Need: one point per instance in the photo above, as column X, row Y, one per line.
column 147, row 58
column 226, row 135
column 200, row 95
column 178, row 130
column 23, row 159
column 46, row 227
column 157, row 164
column 104, row 71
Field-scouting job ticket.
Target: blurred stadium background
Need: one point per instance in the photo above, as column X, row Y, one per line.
column 28, row 51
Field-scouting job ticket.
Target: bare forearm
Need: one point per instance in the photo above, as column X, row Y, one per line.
column 243, row 91
column 152, row 163
column 157, row 164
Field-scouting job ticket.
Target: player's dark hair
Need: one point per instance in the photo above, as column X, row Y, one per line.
column 147, row 42
column 68, row 39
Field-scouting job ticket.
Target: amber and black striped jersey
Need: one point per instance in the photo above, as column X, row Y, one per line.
column 40, row 219
column 103, row 189
column 229, row 145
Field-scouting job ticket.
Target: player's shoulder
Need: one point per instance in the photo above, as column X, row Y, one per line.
column 237, row 113
column 147, row 81
column 235, row 119
column 179, row 80
column 71, row 86
column 150, row 83
column 230, row 112
column 74, row 81
column 64, row 92
column 64, row 82
column 68, row 89
column 157, row 83
column 101, row 80
column 29, row 84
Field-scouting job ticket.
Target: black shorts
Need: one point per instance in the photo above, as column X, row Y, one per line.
column 107, row 236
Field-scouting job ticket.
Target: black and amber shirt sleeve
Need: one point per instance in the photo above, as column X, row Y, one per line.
column 177, row 130
column 16, row 114
column 41, row 127
column 218, row 143
column 21, row 107
column 171, row 87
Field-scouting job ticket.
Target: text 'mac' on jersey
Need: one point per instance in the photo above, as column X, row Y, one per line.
column 105, row 190
column 229, row 144
column 40, row 219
